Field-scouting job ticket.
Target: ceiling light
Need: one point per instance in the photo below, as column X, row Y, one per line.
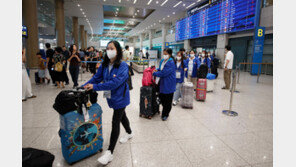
column 133, row 16
column 78, row 5
column 138, row 10
column 119, row 1
column 115, row 15
column 156, row 2
column 81, row 9
column 159, row 20
column 164, row 2
column 174, row 13
column 135, row 1
column 117, row 9
column 184, row 4
column 190, row 5
column 168, row 15
column 149, row 2
column 163, row 18
column 177, row 4
column 83, row 13
column 154, row 23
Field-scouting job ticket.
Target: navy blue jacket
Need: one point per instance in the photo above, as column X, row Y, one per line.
column 167, row 77
column 180, row 69
column 196, row 64
column 116, row 81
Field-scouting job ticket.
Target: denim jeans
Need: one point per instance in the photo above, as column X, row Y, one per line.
column 178, row 93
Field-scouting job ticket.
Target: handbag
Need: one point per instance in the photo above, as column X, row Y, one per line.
column 58, row 67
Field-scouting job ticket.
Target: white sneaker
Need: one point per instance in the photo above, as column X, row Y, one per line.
column 179, row 99
column 175, row 103
column 106, row 158
column 125, row 138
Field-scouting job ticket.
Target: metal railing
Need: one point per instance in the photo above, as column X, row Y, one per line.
column 259, row 67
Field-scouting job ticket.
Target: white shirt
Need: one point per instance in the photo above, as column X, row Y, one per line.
column 190, row 66
column 125, row 55
column 229, row 56
column 178, row 64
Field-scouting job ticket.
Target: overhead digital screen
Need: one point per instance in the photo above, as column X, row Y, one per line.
column 223, row 16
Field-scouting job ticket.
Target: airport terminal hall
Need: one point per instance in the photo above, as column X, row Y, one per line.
column 147, row 83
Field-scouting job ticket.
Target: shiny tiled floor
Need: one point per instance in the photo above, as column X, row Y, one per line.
column 201, row 137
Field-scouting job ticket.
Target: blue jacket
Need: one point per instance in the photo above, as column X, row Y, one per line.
column 116, row 81
column 167, row 77
column 206, row 61
column 180, row 69
column 196, row 64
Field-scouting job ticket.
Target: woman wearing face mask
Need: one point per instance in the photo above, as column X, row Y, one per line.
column 166, row 77
column 180, row 68
column 114, row 74
column 205, row 60
column 192, row 64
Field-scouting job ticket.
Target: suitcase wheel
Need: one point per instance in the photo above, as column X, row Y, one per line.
column 101, row 150
column 149, row 117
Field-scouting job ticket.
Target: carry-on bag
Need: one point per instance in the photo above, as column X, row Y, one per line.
column 148, row 78
column 81, row 128
column 201, row 89
column 187, row 95
column 32, row 157
column 149, row 101
column 211, row 82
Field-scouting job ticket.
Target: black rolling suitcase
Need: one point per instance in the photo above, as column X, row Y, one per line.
column 149, row 101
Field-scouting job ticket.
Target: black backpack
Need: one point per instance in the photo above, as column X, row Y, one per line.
column 202, row 71
column 36, row 158
column 70, row 100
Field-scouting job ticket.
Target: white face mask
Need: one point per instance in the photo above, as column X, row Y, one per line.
column 111, row 54
column 178, row 58
column 191, row 55
column 203, row 55
column 165, row 56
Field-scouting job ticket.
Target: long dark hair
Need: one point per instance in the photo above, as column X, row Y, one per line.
column 182, row 59
column 71, row 49
column 117, row 61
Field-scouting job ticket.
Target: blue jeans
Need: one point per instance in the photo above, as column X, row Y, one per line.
column 178, row 93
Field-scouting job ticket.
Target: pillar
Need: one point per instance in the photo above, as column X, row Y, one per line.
column 151, row 32
column 164, row 29
column 75, row 30
column 60, row 22
column 82, row 46
column 187, row 46
column 31, row 22
column 85, row 39
column 222, row 41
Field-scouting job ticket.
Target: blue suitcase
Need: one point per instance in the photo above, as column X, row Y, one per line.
column 81, row 139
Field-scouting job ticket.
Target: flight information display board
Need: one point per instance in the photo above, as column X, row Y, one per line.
column 223, row 16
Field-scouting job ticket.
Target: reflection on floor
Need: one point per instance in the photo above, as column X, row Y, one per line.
column 199, row 137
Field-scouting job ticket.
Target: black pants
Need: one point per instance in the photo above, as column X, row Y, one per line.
column 51, row 73
column 74, row 71
column 166, row 101
column 118, row 116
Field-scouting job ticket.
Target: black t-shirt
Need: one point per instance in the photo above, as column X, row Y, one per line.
column 66, row 54
column 74, row 61
column 49, row 54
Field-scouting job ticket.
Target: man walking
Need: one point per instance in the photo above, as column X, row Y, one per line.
column 228, row 62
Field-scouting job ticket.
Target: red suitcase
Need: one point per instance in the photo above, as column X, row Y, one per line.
column 201, row 89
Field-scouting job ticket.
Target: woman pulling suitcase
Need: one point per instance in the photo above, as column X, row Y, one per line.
column 166, row 79
column 114, row 74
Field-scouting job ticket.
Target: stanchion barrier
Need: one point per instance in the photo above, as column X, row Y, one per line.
column 229, row 112
column 236, row 76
